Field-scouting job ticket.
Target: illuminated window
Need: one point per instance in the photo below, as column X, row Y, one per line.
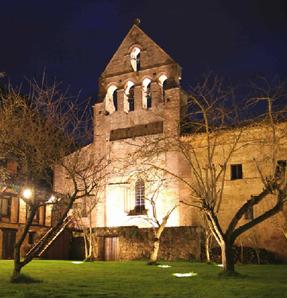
column 135, row 59
column 111, row 100
column 140, row 196
column 129, row 100
column 147, row 99
column 236, row 171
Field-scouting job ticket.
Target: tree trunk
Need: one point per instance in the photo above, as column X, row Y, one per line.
column 16, row 272
column 17, row 265
column 227, row 257
column 17, row 262
column 154, row 253
column 89, row 256
column 157, row 234
column 17, row 248
column 156, row 241
column 207, row 246
column 85, row 243
column 257, row 253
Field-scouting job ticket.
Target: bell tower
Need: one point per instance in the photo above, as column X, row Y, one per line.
column 140, row 86
column 139, row 96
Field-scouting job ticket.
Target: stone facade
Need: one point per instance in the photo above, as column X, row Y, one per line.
column 129, row 111
column 253, row 152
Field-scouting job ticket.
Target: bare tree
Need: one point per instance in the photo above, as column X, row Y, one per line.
column 83, row 219
column 158, row 215
column 212, row 136
column 40, row 131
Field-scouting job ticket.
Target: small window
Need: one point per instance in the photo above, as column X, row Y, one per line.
column 163, row 82
column 131, row 98
column 31, row 237
column 280, row 171
column 138, row 59
column 147, row 98
column 236, row 171
column 5, row 206
column 135, row 59
column 140, row 196
column 115, row 99
column 249, row 214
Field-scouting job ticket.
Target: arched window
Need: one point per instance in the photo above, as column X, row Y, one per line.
column 163, row 82
column 129, row 100
column 115, row 99
column 147, row 98
column 111, row 101
column 139, row 195
column 135, row 59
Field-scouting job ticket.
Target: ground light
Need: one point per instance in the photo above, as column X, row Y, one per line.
column 188, row 274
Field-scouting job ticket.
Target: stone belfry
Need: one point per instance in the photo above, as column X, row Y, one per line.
column 139, row 86
column 139, row 96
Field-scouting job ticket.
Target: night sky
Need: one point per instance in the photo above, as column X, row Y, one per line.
column 74, row 40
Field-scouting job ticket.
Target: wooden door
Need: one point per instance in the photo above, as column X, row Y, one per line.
column 9, row 238
column 111, row 248
column 101, row 248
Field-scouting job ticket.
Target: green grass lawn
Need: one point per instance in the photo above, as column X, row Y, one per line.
column 137, row 280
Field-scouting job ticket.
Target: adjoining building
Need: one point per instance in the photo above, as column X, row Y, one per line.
column 13, row 214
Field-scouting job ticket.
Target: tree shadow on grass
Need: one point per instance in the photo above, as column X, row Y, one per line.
column 231, row 275
column 153, row 263
column 25, row 279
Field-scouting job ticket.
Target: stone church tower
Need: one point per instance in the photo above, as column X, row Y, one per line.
column 139, row 97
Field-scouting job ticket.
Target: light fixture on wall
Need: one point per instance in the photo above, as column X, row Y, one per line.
column 27, row 193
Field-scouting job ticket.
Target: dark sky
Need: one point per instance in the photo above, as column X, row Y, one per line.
column 73, row 40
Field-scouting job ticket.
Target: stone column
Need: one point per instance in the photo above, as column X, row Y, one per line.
column 120, row 95
column 156, row 94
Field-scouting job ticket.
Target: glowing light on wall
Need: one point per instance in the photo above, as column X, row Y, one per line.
column 27, row 193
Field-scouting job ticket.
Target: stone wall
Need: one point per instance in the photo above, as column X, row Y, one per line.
column 133, row 243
